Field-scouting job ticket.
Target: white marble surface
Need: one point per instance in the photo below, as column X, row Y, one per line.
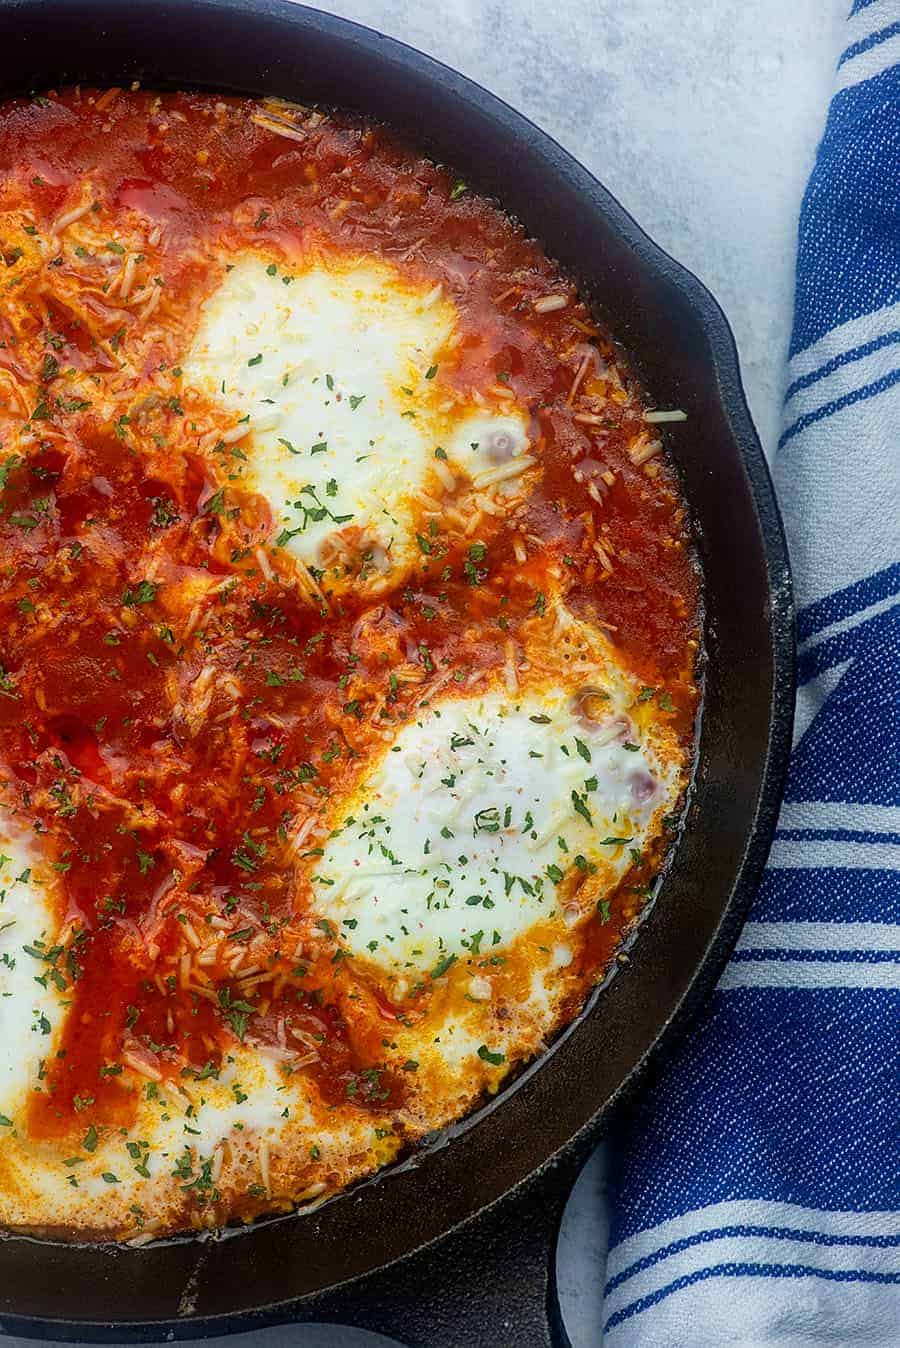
column 702, row 118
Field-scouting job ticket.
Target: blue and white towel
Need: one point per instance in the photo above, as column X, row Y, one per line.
column 757, row 1196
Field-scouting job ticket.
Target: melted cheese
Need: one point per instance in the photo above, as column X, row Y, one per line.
column 333, row 375
column 490, row 450
column 475, row 823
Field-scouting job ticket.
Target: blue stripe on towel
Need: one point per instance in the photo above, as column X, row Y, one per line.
column 844, row 358
column 756, row 1185
column 846, row 602
column 853, row 271
column 828, row 409
column 866, row 43
column 749, row 1270
column 811, row 1077
column 829, row 894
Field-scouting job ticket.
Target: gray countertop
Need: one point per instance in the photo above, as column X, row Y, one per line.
column 702, row 118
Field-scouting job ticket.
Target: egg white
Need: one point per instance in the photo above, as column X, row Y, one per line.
column 459, row 840
column 28, row 1008
column 329, row 383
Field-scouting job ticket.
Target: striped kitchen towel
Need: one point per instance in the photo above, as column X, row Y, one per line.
column 756, row 1191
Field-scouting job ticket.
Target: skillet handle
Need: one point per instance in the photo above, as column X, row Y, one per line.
column 489, row 1283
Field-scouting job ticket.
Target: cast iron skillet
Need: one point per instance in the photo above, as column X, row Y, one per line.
column 381, row 1256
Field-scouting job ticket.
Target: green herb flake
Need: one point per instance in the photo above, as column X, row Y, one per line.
column 580, row 807
column 443, row 965
column 495, row 1059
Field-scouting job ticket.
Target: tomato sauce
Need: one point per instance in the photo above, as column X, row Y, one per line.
column 162, row 837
